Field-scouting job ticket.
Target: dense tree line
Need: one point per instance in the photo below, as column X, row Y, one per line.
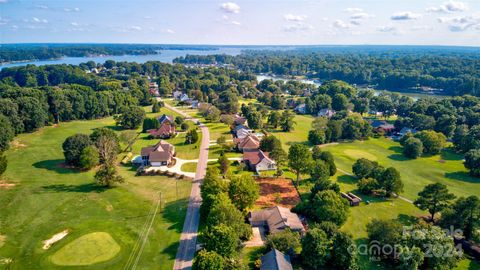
column 23, row 52
column 403, row 68
column 224, row 206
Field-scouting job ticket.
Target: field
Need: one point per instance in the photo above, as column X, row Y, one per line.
column 298, row 135
column 446, row 168
column 48, row 198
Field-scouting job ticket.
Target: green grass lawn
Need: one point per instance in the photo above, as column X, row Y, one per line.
column 49, row 198
column 298, row 135
column 189, row 167
column 446, row 168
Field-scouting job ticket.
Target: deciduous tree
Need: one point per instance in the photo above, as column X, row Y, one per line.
column 434, row 198
column 299, row 159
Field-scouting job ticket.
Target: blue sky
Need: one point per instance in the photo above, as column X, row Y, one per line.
column 422, row 22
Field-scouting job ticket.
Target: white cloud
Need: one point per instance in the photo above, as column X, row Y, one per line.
column 460, row 24
column 134, row 28
column 76, row 9
column 294, row 18
column 450, row 6
column 230, row 7
column 340, row 24
column 353, row 9
column 361, row 16
column 405, row 15
column 421, row 28
column 298, row 27
column 3, row 1
column 37, row 20
column 75, row 24
column 236, row 23
column 387, row 29
column 147, row 17
column 169, row 31
column 41, row 6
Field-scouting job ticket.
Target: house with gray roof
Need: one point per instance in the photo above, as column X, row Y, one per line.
column 276, row 260
column 276, row 219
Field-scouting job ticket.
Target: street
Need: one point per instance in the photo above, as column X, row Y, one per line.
column 188, row 238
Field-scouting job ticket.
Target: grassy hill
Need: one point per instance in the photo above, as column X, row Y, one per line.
column 48, row 198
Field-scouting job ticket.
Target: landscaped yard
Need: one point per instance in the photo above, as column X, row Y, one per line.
column 49, row 198
column 189, row 167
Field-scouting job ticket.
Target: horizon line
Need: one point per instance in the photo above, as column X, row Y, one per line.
column 237, row 45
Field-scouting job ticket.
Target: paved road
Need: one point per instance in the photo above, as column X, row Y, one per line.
column 188, row 239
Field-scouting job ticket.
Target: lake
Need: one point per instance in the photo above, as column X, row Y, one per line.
column 413, row 95
column 165, row 56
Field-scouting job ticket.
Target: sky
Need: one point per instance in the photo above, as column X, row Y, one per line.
column 242, row 22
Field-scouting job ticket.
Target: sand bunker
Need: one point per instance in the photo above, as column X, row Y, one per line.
column 57, row 237
column 5, row 184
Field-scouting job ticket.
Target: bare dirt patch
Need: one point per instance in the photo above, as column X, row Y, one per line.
column 17, row 144
column 55, row 238
column 5, row 185
column 277, row 191
column 3, row 238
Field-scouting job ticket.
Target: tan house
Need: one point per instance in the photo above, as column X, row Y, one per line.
column 276, row 219
column 158, row 155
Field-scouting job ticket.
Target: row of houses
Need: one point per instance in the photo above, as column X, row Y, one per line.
column 247, row 142
column 162, row 153
column 302, row 109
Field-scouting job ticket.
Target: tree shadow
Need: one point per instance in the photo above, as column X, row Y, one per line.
column 398, row 157
column 347, row 179
column 175, row 212
column 84, row 188
column 396, row 149
column 450, row 155
column 462, row 176
column 56, row 165
column 407, row 220
column 115, row 128
column 171, row 250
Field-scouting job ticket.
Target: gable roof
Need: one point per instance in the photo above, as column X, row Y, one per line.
column 249, row 142
column 164, row 118
column 255, row 156
column 276, row 260
column 238, row 127
column 277, row 219
column 162, row 151
column 166, row 129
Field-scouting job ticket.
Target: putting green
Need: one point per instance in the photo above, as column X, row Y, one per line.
column 356, row 154
column 86, row 250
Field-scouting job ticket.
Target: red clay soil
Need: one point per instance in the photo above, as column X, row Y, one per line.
column 277, row 191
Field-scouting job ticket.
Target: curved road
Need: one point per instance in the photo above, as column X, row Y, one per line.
column 188, row 239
